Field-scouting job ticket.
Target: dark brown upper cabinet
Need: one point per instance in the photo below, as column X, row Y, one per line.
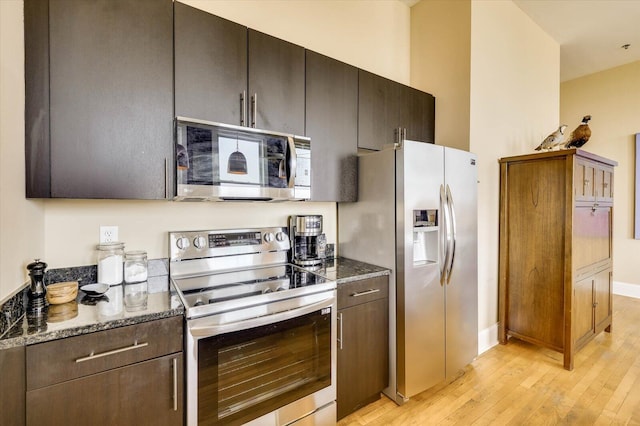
column 385, row 106
column 210, row 66
column 332, row 125
column 229, row 74
column 276, row 84
column 99, row 98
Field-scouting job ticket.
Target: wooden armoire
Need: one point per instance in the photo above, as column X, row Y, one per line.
column 555, row 273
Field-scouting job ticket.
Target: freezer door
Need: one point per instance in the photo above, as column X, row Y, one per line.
column 420, row 294
column 461, row 178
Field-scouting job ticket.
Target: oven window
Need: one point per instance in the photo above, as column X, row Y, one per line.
column 246, row 374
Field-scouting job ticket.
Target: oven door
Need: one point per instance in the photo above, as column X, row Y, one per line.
column 274, row 369
column 222, row 162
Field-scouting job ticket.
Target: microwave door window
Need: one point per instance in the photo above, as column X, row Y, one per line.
column 202, row 157
column 277, row 166
column 239, row 161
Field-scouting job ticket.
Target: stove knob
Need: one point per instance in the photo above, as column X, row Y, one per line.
column 200, row 242
column 183, row 243
column 281, row 236
column 268, row 237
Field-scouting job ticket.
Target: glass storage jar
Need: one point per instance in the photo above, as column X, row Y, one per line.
column 135, row 280
column 135, row 266
column 110, row 262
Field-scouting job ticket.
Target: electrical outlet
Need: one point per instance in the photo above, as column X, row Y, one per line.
column 108, row 234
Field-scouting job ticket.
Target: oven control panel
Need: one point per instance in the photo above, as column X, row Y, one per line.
column 189, row 245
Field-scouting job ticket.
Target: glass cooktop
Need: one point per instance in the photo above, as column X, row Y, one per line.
column 208, row 294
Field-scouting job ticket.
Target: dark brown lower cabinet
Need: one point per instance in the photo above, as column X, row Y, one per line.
column 363, row 343
column 148, row 392
column 12, row 386
column 132, row 375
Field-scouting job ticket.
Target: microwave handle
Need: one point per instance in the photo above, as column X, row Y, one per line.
column 293, row 161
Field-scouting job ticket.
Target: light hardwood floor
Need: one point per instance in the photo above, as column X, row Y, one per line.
column 522, row 384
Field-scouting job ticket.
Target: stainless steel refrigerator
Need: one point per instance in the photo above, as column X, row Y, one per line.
column 416, row 214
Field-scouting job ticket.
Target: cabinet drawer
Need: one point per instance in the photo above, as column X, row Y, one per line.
column 356, row 292
column 146, row 393
column 64, row 359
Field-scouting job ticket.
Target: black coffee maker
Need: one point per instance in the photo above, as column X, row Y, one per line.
column 308, row 243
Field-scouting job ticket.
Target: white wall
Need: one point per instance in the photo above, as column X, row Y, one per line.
column 515, row 89
column 369, row 34
column 612, row 98
column 441, row 64
column 21, row 221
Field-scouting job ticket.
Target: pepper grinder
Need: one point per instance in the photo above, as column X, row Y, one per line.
column 36, row 271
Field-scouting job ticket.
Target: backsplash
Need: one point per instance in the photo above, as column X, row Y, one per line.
column 13, row 309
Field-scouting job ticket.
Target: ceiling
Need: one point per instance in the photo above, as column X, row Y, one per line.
column 591, row 33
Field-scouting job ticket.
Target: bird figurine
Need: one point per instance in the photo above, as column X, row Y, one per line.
column 580, row 135
column 554, row 139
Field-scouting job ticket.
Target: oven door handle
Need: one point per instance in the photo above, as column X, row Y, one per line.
column 216, row 329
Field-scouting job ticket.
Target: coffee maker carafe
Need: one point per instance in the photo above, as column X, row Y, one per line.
column 308, row 243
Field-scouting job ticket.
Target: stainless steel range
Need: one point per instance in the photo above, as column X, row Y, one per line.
column 260, row 333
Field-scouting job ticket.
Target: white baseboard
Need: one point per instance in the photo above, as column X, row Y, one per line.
column 487, row 338
column 624, row 289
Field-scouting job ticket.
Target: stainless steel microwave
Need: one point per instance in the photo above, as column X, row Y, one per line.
column 223, row 162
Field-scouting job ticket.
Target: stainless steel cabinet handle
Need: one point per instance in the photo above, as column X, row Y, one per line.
column 243, row 107
column 254, row 110
column 175, row 384
column 364, row 293
column 340, row 331
column 166, row 178
column 91, row 356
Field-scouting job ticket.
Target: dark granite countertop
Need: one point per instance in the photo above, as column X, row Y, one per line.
column 344, row 270
column 86, row 315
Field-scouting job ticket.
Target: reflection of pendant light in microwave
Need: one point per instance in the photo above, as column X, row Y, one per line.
column 237, row 164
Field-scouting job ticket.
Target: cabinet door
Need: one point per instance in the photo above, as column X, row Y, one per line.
column 111, row 99
column 591, row 235
column 583, row 309
column 12, row 391
column 385, row 105
column 417, row 114
column 149, row 392
column 276, row 84
column 378, row 116
column 363, row 354
column 603, row 184
column 332, row 125
column 602, row 297
column 210, row 66
column 584, row 175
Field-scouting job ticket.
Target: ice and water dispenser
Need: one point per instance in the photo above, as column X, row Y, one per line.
column 425, row 236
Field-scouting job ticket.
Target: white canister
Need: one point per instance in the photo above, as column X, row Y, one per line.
column 110, row 263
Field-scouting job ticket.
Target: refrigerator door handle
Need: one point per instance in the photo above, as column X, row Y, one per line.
column 444, row 236
column 452, row 216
